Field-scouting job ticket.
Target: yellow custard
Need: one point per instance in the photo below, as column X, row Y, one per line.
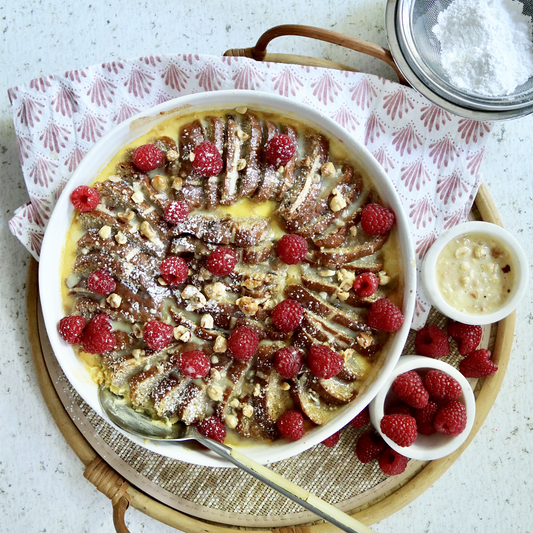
column 475, row 273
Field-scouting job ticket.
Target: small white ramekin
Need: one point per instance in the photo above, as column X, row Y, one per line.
column 429, row 279
column 426, row 447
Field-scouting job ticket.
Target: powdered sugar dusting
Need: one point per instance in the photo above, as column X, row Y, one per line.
column 486, row 45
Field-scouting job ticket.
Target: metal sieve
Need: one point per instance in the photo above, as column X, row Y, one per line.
column 416, row 51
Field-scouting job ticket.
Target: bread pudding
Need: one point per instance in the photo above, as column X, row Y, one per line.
column 233, row 269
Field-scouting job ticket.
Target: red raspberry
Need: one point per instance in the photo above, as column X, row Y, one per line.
column 365, row 284
column 221, row 261
column 442, row 386
column 368, row 447
column 431, row 341
column 70, row 328
column 147, row 157
column 243, row 342
column 467, row 337
column 174, row 270
column 451, row 419
column 176, row 212
column 98, row 336
column 157, row 335
column 399, row 409
column 291, row 424
column 401, row 429
column 391, row 462
column 194, row 364
column 207, row 160
column 478, row 365
column 287, row 315
column 332, row 441
column 101, row 322
column 324, row 362
column 84, row 198
column 426, row 415
column 410, row 389
column 385, row 316
column 291, row 249
column 376, row 219
column 212, row 428
column 361, row 420
column 288, row 362
column 279, row 150
column 101, row 282
column 426, row 429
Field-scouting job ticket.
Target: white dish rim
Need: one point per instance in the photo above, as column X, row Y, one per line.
column 100, row 155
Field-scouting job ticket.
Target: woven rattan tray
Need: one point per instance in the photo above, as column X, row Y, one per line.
column 127, row 476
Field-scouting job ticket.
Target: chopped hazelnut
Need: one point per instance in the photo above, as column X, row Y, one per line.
column 137, row 197
column 215, row 291
column 247, row 305
column 215, row 392
column 147, row 230
column 231, row 421
column 207, row 321
column 343, row 296
column 160, row 183
column 462, row 252
column 121, row 238
column 285, row 386
column 221, row 345
column 214, row 359
column 171, row 155
column 353, row 231
column 328, row 170
column 337, row 203
column 114, row 300
column 257, row 389
column 364, row 339
column 242, row 135
column 241, row 164
column 181, row 333
column 115, row 178
column 383, row 278
column 162, row 282
column 326, row 273
column 138, row 353
column 235, row 403
column 177, row 184
column 196, row 299
column 137, row 331
column 105, row 232
column 215, row 374
column 247, row 411
column 241, row 109
column 126, row 216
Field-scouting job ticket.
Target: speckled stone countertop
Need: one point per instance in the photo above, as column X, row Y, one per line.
column 42, row 488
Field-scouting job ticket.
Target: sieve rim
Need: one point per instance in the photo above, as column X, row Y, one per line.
column 467, row 106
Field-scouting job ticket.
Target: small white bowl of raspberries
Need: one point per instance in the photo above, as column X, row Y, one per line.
column 425, row 410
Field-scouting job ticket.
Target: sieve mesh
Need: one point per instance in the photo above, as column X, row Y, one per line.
column 416, row 19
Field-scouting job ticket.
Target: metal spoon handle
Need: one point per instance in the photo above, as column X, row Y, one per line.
column 288, row 488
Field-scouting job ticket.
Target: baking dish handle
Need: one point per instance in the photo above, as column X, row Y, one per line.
column 259, row 51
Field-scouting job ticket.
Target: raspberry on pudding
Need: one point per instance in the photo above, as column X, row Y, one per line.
column 236, row 271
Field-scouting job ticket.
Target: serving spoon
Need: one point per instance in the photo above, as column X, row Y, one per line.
column 141, row 425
